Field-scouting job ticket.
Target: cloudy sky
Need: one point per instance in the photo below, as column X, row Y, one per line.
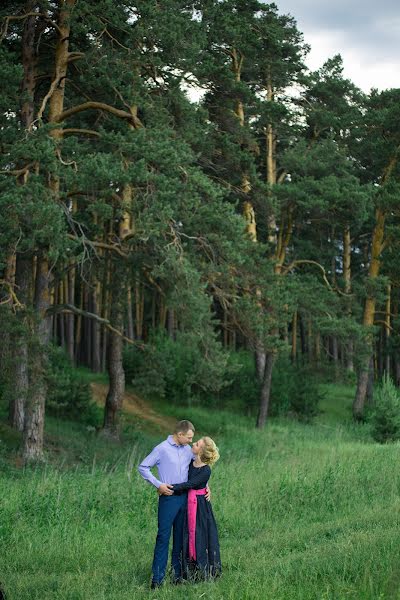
column 365, row 32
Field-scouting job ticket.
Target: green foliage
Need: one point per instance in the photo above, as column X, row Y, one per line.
column 385, row 415
column 69, row 393
column 294, row 391
column 242, row 391
column 181, row 370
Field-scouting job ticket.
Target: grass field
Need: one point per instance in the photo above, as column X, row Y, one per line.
column 304, row 512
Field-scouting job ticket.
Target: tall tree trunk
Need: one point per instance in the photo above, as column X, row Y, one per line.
column 139, row 305
column 387, row 330
column 71, row 317
column 115, row 368
column 369, row 315
column 22, row 262
column 370, row 383
column 35, row 406
column 34, row 421
column 294, row 337
column 20, row 354
column 96, row 356
column 265, row 390
column 131, row 331
column 116, row 384
column 335, row 355
column 347, row 290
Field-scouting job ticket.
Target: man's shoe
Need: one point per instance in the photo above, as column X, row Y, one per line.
column 155, row 585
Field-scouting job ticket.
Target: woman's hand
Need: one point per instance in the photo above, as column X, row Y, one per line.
column 165, row 489
column 208, row 494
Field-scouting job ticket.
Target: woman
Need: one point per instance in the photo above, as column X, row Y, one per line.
column 201, row 556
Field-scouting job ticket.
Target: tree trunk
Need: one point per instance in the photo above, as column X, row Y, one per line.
column 294, row 338
column 34, row 416
column 20, row 355
column 387, row 330
column 96, row 356
column 265, row 390
column 116, row 385
column 115, row 368
column 34, row 421
column 131, row 332
column 347, row 289
column 139, row 304
column 71, row 317
column 369, row 315
column 370, row 383
column 317, row 347
column 335, row 355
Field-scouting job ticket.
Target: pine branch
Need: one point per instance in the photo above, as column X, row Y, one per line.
column 102, row 245
column 122, row 114
column 70, row 308
column 9, row 18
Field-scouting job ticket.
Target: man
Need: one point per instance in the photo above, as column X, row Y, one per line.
column 172, row 459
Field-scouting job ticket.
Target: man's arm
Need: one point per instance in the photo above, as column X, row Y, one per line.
column 150, row 461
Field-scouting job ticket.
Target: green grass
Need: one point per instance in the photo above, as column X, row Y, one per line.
column 304, row 512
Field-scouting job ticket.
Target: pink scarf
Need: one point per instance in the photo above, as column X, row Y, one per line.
column 192, row 510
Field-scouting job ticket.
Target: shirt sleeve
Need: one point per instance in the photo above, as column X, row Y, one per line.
column 152, row 460
column 197, row 481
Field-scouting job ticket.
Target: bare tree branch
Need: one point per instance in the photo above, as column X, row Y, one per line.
column 70, row 308
column 122, row 114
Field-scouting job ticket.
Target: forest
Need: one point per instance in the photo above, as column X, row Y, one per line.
column 185, row 206
column 195, row 225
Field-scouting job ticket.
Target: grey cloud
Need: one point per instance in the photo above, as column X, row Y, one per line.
column 370, row 27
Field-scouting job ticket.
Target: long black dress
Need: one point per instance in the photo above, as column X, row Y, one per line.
column 208, row 561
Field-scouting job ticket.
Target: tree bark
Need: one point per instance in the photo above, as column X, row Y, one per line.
column 35, row 407
column 96, row 356
column 20, row 354
column 387, row 330
column 347, row 289
column 116, row 385
column 115, row 368
column 34, row 421
column 265, row 390
column 369, row 315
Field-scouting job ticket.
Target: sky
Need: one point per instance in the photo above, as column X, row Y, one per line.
column 365, row 32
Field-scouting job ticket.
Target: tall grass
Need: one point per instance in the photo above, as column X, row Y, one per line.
column 304, row 512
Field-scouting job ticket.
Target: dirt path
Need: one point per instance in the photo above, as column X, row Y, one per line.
column 135, row 406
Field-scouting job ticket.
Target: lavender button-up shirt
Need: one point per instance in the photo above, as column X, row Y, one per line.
column 172, row 461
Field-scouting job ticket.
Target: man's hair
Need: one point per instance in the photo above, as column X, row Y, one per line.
column 183, row 427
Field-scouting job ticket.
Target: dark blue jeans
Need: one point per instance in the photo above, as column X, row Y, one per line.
column 171, row 513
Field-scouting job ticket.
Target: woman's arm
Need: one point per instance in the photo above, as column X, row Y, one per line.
column 197, row 481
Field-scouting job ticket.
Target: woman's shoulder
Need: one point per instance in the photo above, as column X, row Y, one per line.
column 205, row 468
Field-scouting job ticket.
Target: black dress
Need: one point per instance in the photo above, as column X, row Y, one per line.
column 208, row 561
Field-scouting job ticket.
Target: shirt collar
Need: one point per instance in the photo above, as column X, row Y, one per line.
column 171, row 440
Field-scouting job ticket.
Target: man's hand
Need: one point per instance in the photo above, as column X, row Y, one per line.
column 208, row 495
column 165, row 489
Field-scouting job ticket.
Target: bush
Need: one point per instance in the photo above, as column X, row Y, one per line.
column 69, row 394
column 242, row 391
column 294, row 391
column 183, row 370
column 385, row 415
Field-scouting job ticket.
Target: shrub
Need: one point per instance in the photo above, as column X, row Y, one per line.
column 183, row 370
column 385, row 415
column 69, row 394
column 242, row 390
column 294, row 391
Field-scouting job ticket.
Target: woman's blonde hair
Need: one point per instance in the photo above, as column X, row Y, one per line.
column 209, row 453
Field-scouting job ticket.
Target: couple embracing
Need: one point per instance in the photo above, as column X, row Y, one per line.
column 184, row 506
